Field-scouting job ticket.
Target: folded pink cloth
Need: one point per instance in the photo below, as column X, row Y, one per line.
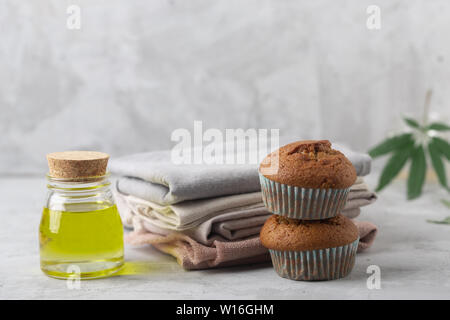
column 367, row 233
column 192, row 255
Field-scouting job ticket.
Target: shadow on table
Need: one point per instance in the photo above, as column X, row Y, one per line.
column 241, row 268
column 132, row 268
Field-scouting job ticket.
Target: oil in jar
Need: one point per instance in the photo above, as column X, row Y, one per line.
column 86, row 242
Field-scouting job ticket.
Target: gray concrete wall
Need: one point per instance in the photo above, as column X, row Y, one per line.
column 138, row 69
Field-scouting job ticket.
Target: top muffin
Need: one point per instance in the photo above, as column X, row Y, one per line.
column 311, row 164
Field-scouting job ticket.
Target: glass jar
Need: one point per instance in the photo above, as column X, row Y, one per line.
column 81, row 232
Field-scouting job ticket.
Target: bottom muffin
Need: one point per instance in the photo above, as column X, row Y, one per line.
column 311, row 249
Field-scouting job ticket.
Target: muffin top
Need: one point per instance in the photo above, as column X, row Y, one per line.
column 310, row 164
column 280, row 233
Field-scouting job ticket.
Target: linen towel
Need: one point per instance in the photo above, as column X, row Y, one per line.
column 367, row 233
column 192, row 255
column 153, row 177
column 361, row 161
column 225, row 226
column 359, row 196
column 190, row 214
column 218, row 228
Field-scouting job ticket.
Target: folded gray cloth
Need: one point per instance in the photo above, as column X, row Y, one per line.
column 361, row 161
column 152, row 176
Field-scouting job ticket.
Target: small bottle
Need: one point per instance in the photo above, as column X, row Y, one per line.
column 81, row 233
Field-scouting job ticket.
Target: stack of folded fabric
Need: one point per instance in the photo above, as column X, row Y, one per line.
column 208, row 215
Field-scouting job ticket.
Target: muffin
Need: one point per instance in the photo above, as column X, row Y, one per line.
column 311, row 180
column 311, row 249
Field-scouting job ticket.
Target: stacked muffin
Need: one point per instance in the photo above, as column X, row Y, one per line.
column 307, row 237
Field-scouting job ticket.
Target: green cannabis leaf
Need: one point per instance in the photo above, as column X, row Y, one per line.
column 412, row 123
column 417, row 172
column 446, row 202
column 445, row 221
column 443, row 146
column 438, row 126
column 392, row 144
column 413, row 147
column 393, row 166
column 438, row 164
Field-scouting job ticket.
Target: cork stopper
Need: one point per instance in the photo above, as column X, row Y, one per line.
column 77, row 164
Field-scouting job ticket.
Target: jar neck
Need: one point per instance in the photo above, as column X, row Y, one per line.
column 84, row 186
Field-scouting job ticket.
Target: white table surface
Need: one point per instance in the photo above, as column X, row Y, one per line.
column 414, row 257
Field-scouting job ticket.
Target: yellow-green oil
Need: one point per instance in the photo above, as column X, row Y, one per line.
column 83, row 243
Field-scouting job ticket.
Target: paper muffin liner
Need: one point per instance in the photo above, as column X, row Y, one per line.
column 321, row 264
column 302, row 203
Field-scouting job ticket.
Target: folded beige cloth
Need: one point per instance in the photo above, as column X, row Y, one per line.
column 190, row 214
column 192, row 255
column 359, row 196
column 225, row 225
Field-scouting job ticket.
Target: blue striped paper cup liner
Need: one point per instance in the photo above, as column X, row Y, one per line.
column 302, row 203
column 321, row 264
